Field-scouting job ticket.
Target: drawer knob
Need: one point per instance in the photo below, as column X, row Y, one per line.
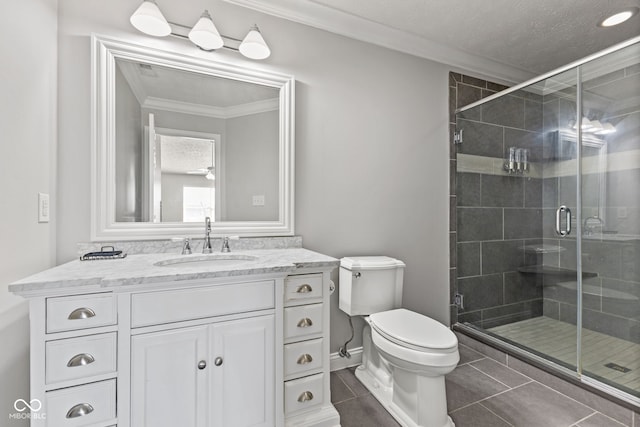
column 80, row 360
column 305, row 323
column 304, row 289
column 80, row 410
column 304, row 359
column 217, row 361
column 81, row 313
column 202, row 364
column 305, row 397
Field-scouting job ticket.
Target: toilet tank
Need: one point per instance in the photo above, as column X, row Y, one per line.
column 370, row 284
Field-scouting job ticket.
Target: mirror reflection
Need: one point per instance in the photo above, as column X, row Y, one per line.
column 191, row 145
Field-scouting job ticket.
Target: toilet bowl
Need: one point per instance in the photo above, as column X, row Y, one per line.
column 420, row 352
column 405, row 354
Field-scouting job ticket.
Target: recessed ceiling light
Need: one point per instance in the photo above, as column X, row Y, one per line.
column 618, row 18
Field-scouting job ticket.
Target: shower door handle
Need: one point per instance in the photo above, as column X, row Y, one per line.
column 567, row 212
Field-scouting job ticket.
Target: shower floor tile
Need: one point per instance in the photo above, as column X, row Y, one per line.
column 558, row 340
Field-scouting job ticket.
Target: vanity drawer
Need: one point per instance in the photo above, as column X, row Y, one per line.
column 302, row 321
column 80, row 312
column 302, row 358
column 303, row 288
column 81, row 357
column 304, row 393
column 82, row 405
column 155, row 308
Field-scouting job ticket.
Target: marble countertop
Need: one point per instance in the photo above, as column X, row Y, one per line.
column 148, row 268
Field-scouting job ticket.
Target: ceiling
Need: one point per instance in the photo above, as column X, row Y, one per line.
column 512, row 40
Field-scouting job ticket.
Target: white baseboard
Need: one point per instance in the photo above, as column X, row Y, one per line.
column 338, row 362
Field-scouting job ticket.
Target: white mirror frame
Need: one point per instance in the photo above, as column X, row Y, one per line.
column 104, row 227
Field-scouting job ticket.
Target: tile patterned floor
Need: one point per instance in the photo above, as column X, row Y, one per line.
column 558, row 340
column 480, row 393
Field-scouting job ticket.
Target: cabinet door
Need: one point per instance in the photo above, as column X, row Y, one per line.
column 243, row 386
column 167, row 386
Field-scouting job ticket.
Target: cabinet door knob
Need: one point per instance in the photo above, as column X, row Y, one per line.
column 304, row 359
column 81, row 313
column 80, row 360
column 305, row 397
column 305, row 323
column 80, row 410
column 304, row 289
column 202, row 364
column 218, row 361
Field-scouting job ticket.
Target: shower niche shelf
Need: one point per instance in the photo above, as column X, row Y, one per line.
column 553, row 271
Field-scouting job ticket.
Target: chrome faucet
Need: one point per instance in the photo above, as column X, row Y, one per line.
column 206, row 247
column 225, row 245
column 590, row 223
column 186, row 246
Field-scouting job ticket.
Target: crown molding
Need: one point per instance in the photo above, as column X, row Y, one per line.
column 211, row 111
column 338, row 22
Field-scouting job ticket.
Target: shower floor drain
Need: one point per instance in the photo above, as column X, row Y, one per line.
column 617, row 367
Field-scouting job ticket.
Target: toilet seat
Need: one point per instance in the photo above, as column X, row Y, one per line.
column 414, row 331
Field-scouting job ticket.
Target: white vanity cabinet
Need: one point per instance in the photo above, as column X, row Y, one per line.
column 307, row 396
column 237, row 349
column 204, row 355
column 74, row 360
column 211, row 375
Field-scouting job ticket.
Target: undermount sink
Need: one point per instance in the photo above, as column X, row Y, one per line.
column 214, row 260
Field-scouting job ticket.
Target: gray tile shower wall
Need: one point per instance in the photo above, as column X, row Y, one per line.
column 497, row 214
column 464, row 90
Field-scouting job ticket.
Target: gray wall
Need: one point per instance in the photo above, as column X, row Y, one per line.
column 251, row 164
column 28, row 107
column 371, row 132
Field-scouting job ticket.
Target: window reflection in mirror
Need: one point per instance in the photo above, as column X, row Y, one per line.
column 191, row 145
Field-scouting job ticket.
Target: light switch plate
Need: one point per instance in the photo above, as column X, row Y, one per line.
column 258, row 200
column 43, row 207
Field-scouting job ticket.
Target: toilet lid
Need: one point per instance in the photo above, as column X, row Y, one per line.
column 412, row 329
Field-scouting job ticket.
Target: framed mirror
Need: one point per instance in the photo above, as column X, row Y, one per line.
column 176, row 139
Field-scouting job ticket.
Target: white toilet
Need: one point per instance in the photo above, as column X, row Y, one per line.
column 405, row 354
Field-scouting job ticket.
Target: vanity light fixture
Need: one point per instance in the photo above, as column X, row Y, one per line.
column 149, row 19
column 594, row 126
column 607, row 128
column 204, row 34
column 618, row 18
column 253, row 46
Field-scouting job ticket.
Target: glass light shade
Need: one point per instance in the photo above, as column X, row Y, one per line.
column 586, row 124
column 148, row 19
column 205, row 34
column 253, row 46
column 595, row 127
column 607, row 128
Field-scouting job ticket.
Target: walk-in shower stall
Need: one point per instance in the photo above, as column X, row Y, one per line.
column 548, row 219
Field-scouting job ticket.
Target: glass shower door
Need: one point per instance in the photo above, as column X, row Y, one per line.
column 548, row 219
column 611, row 219
column 517, row 174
